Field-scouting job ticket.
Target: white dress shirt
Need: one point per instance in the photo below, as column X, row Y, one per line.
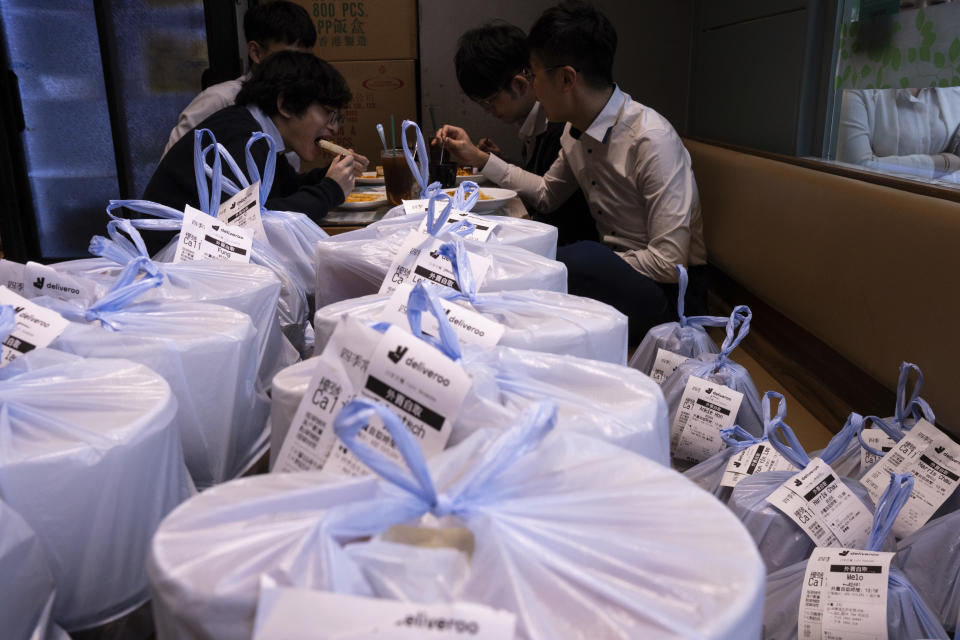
column 636, row 176
column 533, row 125
column 893, row 130
column 208, row 102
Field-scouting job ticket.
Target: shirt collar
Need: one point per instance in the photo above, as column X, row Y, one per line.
column 534, row 124
column 267, row 126
column 601, row 126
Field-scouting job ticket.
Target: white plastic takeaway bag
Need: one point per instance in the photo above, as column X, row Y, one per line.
column 207, row 354
column 837, row 508
column 667, row 345
column 351, row 268
column 91, row 460
column 930, row 558
column 637, row 553
column 530, row 319
column 844, row 602
column 607, row 401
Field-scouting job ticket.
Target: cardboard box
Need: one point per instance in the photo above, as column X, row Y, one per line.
column 380, row 88
column 364, row 29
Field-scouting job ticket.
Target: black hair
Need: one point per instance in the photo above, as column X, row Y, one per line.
column 577, row 34
column 488, row 58
column 279, row 21
column 301, row 78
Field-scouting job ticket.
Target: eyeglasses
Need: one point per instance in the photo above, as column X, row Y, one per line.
column 334, row 117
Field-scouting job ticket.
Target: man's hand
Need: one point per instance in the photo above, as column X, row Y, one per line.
column 460, row 147
column 360, row 163
column 341, row 171
column 488, row 145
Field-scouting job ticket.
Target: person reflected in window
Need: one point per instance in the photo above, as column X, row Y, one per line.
column 911, row 131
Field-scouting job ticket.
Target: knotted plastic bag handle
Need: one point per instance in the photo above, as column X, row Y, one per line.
column 894, row 497
column 913, row 406
column 208, row 196
column 737, row 438
column 424, row 299
column 738, row 326
column 269, row 168
column 124, row 291
column 466, row 196
column 510, row 446
column 455, row 251
column 841, row 441
column 699, row 321
column 420, row 173
column 774, row 428
column 8, row 321
column 892, row 431
column 166, row 218
column 122, row 248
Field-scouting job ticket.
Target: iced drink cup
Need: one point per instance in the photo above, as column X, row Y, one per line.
column 397, row 178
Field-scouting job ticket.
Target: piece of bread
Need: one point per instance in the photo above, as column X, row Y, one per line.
column 332, row 148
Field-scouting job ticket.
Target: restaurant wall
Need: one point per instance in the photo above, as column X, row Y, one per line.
column 652, row 62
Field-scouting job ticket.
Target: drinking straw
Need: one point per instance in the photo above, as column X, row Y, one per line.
column 383, row 137
column 393, row 132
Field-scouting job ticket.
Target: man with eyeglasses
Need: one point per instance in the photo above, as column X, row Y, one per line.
column 295, row 99
column 627, row 159
column 491, row 64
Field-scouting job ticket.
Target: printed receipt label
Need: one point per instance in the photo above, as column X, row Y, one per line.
column 877, row 439
column 297, row 612
column 420, row 384
column 418, row 259
column 933, row 459
column 35, row 327
column 12, row 276
column 664, row 364
column 705, row 409
column 482, row 227
column 470, row 326
column 844, row 595
column 757, row 458
column 243, row 210
column 818, row 501
column 204, row 237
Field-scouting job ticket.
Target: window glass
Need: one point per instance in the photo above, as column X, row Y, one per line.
column 897, row 104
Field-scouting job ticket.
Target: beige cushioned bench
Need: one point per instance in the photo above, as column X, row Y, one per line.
column 869, row 270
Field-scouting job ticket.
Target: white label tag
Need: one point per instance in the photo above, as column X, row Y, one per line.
column 36, row 326
column 413, row 207
column 470, row 326
column 844, row 595
column 204, row 237
column 42, row 280
column 934, row 460
column 11, row 276
column 757, row 458
column 243, row 210
column 302, row 614
column 418, row 260
column 482, row 227
column 877, row 439
column 664, row 364
column 421, row 385
column 821, row 505
column 705, row 408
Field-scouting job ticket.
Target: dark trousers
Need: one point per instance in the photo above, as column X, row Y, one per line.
column 595, row 271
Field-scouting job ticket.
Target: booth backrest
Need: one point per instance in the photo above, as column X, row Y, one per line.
column 870, row 270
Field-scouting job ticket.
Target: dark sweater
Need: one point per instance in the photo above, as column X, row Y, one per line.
column 174, row 183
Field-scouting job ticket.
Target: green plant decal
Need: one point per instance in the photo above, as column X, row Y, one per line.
column 895, row 59
column 904, row 82
column 955, row 50
column 939, row 60
column 912, row 54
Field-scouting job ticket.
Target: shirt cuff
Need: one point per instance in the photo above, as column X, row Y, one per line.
column 495, row 169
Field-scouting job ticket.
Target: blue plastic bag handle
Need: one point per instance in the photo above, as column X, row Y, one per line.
column 792, row 450
column 434, row 222
column 466, row 195
column 8, row 321
column 166, row 218
column 841, row 441
column 699, row 321
column 509, row 447
column 738, row 438
column 888, row 508
column 895, row 434
column 122, row 249
column 269, row 168
column 456, row 252
column 125, row 290
column 421, row 174
column 914, row 406
column 738, row 326
column 208, row 196
column 423, row 299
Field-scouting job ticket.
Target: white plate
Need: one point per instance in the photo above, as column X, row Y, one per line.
column 498, row 198
column 479, row 178
column 372, row 204
column 369, row 181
